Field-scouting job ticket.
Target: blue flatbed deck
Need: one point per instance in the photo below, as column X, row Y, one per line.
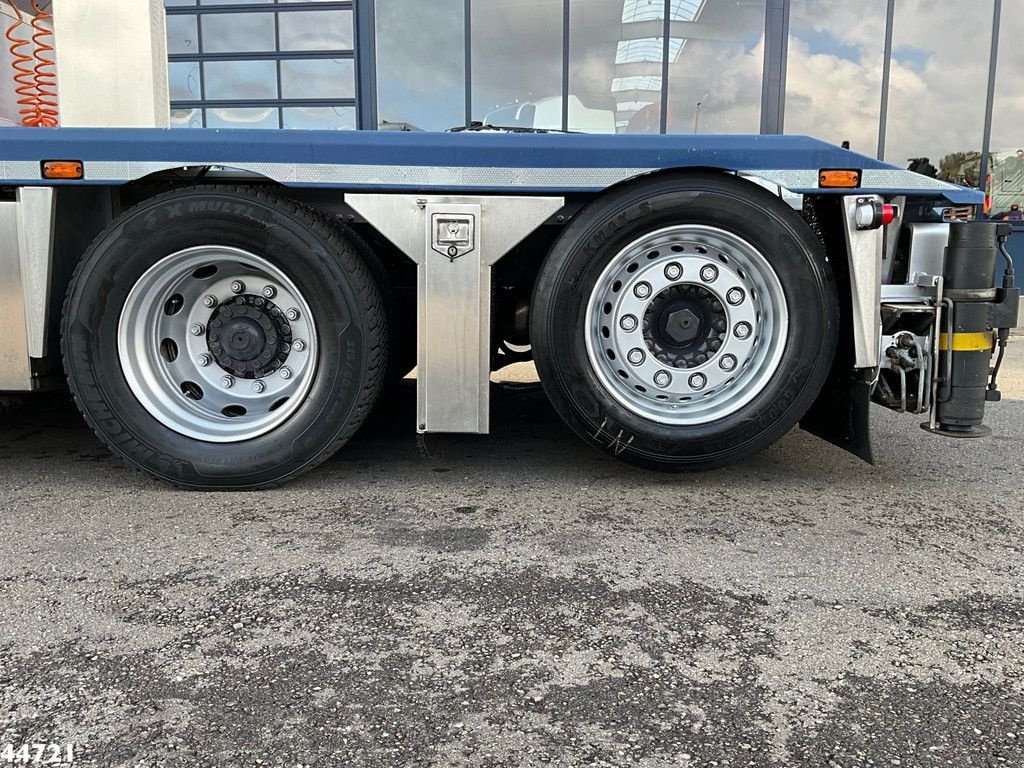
column 549, row 163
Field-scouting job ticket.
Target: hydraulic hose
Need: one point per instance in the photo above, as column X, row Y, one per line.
column 1002, row 334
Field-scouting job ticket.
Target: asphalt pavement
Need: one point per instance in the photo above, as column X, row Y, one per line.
column 518, row 600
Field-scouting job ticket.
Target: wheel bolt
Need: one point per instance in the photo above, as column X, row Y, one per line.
column 237, row 286
column 204, row 360
column 727, row 363
column 286, row 372
column 697, row 381
column 642, row 290
column 198, row 329
column 210, row 301
column 227, row 382
column 734, row 296
column 298, row 345
column 635, row 356
column 258, row 386
column 742, row 330
column 673, row 271
column 627, row 323
column 663, row 378
column 292, row 314
column 709, row 273
column 270, row 292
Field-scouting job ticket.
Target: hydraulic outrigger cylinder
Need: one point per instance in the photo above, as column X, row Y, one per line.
column 976, row 318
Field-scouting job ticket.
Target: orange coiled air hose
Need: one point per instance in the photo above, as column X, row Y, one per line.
column 36, row 82
column 24, row 69
column 45, row 76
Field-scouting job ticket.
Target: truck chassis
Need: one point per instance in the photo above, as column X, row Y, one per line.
column 230, row 304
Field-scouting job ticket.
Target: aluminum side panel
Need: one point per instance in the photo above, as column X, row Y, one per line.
column 15, row 367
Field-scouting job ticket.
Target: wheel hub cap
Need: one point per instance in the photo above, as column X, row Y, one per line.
column 680, row 327
column 684, row 326
column 249, row 336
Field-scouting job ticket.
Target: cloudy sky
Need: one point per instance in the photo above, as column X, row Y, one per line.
column 937, row 82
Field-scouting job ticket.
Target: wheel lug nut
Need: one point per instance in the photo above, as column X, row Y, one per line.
column 734, row 296
column 697, row 381
column 298, row 345
column 237, row 286
column 635, row 356
column 727, row 363
column 628, row 323
column 673, row 271
column 719, row 325
column 258, row 386
column 286, row 372
column 742, row 330
column 709, row 273
column 292, row 314
column 204, row 360
column 663, row 378
column 270, row 292
column 210, row 301
column 642, row 290
column 198, row 329
column 715, row 345
column 227, row 382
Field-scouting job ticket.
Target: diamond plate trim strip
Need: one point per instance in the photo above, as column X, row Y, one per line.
column 383, row 175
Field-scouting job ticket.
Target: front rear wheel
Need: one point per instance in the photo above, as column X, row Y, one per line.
column 222, row 337
column 686, row 322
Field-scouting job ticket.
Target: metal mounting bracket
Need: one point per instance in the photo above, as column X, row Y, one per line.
column 454, row 240
column 865, row 248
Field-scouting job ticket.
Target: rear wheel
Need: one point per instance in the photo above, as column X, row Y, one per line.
column 685, row 322
column 222, row 337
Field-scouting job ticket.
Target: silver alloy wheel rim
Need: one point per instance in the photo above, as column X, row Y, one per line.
column 166, row 355
column 727, row 269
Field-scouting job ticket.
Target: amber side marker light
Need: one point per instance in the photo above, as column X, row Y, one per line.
column 63, row 169
column 839, row 179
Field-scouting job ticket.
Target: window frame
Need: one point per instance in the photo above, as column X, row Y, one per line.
column 201, row 57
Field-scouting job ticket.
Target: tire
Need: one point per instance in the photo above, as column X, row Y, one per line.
column 673, row 376
column 217, row 295
column 401, row 316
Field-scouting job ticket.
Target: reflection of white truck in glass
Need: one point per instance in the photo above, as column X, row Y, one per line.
column 546, row 114
column 227, row 306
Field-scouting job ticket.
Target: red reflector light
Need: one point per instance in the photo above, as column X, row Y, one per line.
column 888, row 213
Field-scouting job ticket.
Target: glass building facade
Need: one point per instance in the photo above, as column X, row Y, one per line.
column 897, row 79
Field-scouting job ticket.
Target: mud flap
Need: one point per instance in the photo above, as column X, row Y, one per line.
column 840, row 414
